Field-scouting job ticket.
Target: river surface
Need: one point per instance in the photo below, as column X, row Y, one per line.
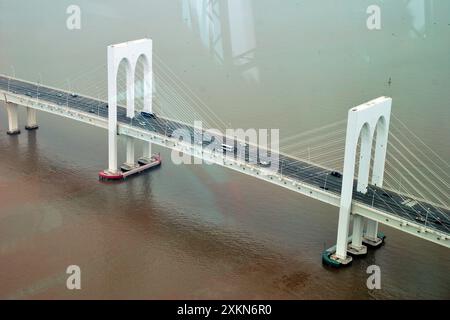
column 196, row 231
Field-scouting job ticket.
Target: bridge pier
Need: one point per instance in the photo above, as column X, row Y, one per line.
column 112, row 147
column 371, row 236
column 31, row 119
column 363, row 123
column 130, row 151
column 356, row 247
column 147, row 150
column 129, row 52
column 13, row 118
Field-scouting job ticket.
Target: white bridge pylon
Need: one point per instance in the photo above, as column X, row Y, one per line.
column 129, row 53
column 365, row 121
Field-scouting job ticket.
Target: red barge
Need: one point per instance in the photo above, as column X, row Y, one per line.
column 127, row 170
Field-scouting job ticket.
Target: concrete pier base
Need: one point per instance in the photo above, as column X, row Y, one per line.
column 342, row 261
column 356, row 251
column 14, row 132
column 331, row 259
column 375, row 242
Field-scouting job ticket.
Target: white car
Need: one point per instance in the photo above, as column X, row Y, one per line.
column 264, row 163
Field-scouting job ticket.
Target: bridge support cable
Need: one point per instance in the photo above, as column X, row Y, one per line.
column 411, row 196
column 409, row 184
column 408, row 194
column 399, row 209
column 318, row 152
column 316, row 142
column 399, row 162
column 195, row 99
column 423, row 144
column 323, row 149
column 177, row 104
column 307, row 139
column 421, row 215
column 439, row 171
column 179, row 107
column 314, row 131
column 434, row 187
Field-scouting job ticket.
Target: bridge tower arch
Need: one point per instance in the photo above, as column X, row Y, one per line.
column 364, row 122
column 129, row 52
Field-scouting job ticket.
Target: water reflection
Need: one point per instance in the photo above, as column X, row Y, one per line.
column 226, row 28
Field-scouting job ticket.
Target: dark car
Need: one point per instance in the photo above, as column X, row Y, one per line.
column 336, row 174
column 147, row 114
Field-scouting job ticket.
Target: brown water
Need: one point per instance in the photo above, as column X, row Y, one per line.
column 203, row 231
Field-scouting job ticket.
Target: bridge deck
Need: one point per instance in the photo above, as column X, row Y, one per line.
column 421, row 213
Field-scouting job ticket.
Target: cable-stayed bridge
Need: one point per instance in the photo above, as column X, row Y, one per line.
column 365, row 204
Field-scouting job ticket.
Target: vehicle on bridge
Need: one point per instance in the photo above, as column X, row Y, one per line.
column 148, row 114
column 336, row 174
column 227, row 148
column 264, row 163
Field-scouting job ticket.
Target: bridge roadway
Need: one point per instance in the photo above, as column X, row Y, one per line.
column 422, row 213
